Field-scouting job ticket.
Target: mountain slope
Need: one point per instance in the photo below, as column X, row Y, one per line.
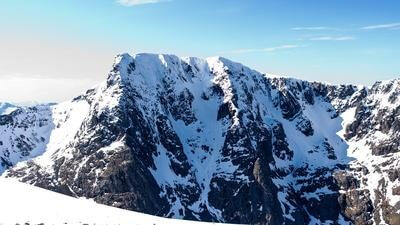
column 213, row 140
column 6, row 108
column 32, row 205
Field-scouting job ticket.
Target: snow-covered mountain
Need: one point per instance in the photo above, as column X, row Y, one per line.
column 212, row 140
column 6, row 108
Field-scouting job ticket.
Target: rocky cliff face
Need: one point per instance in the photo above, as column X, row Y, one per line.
column 213, row 140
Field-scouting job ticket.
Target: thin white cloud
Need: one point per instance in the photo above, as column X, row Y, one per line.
column 329, row 38
column 271, row 49
column 388, row 26
column 309, row 28
column 138, row 2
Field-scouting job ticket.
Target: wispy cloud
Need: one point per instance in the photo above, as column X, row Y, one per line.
column 388, row 26
column 309, row 28
column 271, row 49
column 329, row 38
column 138, row 2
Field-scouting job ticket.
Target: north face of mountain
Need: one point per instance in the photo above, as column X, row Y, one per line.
column 213, row 140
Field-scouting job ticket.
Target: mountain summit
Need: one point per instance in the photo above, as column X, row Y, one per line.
column 213, row 140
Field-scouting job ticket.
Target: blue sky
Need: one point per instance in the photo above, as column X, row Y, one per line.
column 338, row 41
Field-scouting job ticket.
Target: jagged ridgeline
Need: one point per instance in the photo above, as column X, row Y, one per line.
column 213, row 140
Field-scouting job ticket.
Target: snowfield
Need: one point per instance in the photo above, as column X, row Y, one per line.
column 26, row 204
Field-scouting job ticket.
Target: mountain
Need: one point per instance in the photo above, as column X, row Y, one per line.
column 33, row 205
column 212, row 140
column 6, row 108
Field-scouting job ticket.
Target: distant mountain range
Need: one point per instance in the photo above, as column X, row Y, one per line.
column 6, row 108
column 213, row 140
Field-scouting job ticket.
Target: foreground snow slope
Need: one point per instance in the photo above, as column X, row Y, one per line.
column 22, row 203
